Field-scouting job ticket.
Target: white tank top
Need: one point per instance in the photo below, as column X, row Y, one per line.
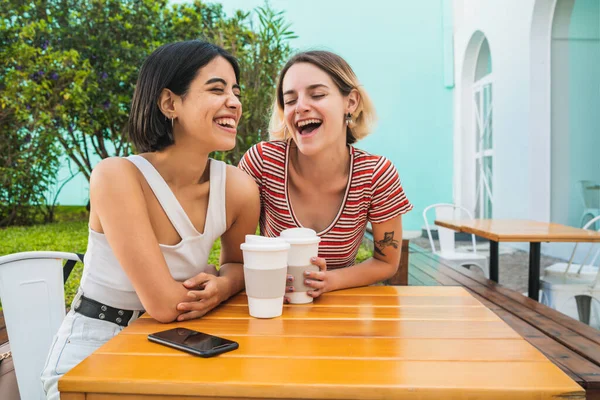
column 103, row 277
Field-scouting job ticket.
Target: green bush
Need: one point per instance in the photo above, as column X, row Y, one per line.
column 68, row 67
column 28, row 166
column 67, row 74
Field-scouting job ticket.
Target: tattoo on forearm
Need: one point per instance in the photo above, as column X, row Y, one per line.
column 388, row 240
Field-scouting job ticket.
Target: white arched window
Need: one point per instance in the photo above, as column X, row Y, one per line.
column 484, row 133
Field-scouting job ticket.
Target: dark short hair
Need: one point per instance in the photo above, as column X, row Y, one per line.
column 172, row 66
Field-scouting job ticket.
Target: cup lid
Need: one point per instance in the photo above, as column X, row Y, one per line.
column 262, row 243
column 300, row 236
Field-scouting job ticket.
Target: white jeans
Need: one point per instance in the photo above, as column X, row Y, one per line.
column 78, row 337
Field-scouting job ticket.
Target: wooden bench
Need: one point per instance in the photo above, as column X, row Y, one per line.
column 401, row 275
column 571, row 345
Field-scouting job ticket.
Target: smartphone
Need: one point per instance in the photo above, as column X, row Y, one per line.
column 194, row 342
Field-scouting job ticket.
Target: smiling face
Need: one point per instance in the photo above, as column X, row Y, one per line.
column 314, row 109
column 211, row 109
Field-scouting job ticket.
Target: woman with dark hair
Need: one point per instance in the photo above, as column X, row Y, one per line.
column 309, row 174
column 155, row 215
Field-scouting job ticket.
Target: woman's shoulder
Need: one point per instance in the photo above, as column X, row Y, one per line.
column 115, row 178
column 114, row 168
column 364, row 159
column 272, row 146
column 264, row 153
column 240, row 191
column 239, row 181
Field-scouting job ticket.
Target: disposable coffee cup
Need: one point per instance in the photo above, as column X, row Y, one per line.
column 265, row 270
column 304, row 244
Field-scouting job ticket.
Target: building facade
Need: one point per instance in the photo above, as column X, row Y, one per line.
column 527, row 109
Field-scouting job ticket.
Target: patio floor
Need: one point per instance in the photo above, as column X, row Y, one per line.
column 513, row 263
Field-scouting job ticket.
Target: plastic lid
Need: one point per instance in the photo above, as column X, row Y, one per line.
column 262, row 243
column 300, row 236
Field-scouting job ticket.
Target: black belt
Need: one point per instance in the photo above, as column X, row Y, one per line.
column 94, row 309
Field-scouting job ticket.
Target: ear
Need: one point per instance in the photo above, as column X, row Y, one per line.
column 166, row 103
column 352, row 101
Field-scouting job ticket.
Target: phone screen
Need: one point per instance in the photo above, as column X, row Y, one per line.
column 187, row 339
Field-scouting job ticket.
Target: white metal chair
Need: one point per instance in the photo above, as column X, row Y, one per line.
column 590, row 198
column 446, row 238
column 32, row 295
column 570, row 288
column 575, row 299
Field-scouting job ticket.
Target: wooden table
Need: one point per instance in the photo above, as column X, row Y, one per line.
column 570, row 344
column 378, row 342
column 500, row 230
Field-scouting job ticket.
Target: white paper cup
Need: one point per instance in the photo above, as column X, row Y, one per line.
column 265, row 270
column 304, row 244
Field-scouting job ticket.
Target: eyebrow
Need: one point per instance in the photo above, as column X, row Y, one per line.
column 311, row 87
column 221, row 80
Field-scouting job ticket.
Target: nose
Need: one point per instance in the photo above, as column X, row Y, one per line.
column 233, row 102
column 301, row 105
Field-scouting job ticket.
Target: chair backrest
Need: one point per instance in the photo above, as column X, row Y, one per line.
column 445, row 235
column 32, row 295
column 590, row 196
column 592, row 247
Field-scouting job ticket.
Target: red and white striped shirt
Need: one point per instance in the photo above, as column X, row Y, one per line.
column 374, row 193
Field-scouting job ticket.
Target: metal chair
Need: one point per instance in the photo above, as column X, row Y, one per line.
column 447, row 242
column 590, row 198
column 570, row 288
column 32, row 295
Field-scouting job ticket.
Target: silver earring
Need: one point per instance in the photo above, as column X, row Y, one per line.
column 171, row 121
column 349, row 119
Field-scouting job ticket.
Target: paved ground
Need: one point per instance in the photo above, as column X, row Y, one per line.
column 514, row 264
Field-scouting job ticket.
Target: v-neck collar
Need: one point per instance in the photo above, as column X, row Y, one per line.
column 344, row 200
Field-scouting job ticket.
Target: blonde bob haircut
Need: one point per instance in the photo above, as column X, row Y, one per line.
column 363, row 118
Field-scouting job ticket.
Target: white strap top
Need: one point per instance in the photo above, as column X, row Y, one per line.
column 103, row 277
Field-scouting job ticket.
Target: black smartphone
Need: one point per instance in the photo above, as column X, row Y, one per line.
column 194, row 342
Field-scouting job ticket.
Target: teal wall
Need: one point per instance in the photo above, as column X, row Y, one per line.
column 396, row 48
column 575, row 106
column 75, row 191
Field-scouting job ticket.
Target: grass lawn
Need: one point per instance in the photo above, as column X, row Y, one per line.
column 69, row 233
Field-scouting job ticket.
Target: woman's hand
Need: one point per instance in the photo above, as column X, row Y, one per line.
column 206, row 291
column 319, row 282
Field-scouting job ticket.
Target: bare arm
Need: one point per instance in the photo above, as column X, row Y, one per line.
column 243, row 211
column 387, row 246
column 244, row 198
column 387, row 238
column 118, row 202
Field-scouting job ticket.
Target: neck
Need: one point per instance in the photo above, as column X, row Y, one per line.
column 179, row 164
column 322, row 167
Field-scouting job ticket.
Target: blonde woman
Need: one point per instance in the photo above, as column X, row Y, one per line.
column 309, row 175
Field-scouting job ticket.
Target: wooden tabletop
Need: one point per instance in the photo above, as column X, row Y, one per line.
column 378, row 342
column 514, row 230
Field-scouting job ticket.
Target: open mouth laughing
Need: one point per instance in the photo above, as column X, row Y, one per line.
column 308, row 126
column 227, row 123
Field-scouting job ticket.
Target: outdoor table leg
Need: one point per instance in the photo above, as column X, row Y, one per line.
column 494, row 260
column 534, row 270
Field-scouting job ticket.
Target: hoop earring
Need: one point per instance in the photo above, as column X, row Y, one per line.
column 349, row 119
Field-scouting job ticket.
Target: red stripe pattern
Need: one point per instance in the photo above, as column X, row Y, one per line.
column 374, row 194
